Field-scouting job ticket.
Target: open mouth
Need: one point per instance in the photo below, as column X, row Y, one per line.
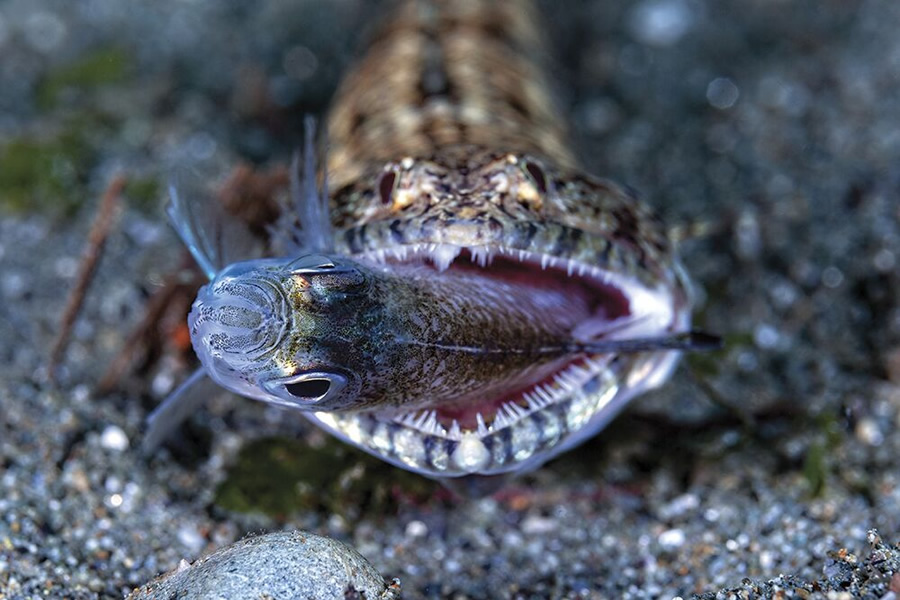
column 519, row 423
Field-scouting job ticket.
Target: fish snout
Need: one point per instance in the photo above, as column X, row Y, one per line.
column 236, row 323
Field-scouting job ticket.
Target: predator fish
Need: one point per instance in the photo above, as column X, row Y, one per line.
column 453, row 295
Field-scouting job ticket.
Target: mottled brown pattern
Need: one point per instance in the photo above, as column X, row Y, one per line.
column 446, row 132
column 444, row 73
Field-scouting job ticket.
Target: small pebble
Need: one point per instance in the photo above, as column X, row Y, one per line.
column 672, row 539
column 113, row 438
column 279, row 565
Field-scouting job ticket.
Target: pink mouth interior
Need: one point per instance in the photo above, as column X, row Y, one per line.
column 582, row 302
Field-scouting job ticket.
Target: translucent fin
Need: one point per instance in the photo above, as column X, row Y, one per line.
column 689, row 341
column 305, row 224
column 177, row 407
column 214, row 238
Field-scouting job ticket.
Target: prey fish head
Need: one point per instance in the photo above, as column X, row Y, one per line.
column 269, row 329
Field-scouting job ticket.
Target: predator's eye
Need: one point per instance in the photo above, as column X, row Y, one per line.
column 386, row 186
column 537, row 174
column 311, row 389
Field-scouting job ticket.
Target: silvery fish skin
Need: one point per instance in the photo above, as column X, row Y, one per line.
column 443, row 321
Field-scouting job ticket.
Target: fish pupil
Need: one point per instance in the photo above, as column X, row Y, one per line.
column 386, row 187
column 540, row 180
column 310, row 389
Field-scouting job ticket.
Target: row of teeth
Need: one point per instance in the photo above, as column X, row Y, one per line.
column 565, row 383
column 443, row 255
column 419, row 442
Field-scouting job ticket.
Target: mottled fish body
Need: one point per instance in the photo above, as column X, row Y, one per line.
column 470, row 302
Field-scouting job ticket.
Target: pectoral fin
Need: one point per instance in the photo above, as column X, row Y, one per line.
column 177, row 407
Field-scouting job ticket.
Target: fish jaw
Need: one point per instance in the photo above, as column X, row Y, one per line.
column 468, row 204
column 496, row 433
column 515, row 214
column 534, row 425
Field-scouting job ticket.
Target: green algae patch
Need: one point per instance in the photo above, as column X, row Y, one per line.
column 44, row 175
column 104, row 66
column 815, row 468
column 817, row 463
column 144, row 194
column 280, row 477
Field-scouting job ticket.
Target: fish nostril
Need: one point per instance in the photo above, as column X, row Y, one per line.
column 309, row 389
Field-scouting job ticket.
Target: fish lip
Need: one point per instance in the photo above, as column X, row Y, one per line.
column 410, row 438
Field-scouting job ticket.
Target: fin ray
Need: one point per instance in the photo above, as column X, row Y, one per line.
column 177, row 407
column 305, row 223
column 214, row 238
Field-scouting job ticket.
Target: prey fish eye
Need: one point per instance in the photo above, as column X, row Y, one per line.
column 459, row 299
column 309, row 389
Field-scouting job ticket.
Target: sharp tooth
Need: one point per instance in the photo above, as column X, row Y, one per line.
column 595, row 364
column 432, row 425
column 545, row 260
column 570, row 267
column 522, row 255
column 582, row 268
column 575, row 372
column 567, row 377
column 443, row 255
column 482, row 428
column 455, row 431
column 409, row 420
column 545, row 394
column 482, row 255
column 534, row 403
column 501, row 420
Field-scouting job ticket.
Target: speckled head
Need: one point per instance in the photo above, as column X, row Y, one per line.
column 256, row 329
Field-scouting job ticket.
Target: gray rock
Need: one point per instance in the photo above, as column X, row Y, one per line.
column 275, row 566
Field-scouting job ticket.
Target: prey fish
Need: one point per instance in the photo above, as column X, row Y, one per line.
column 453, row 294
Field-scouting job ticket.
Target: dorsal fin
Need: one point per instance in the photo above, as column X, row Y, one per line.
column 214, row 238
column 305, row 223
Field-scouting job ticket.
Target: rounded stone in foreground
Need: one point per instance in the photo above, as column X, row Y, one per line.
column 276, row 566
